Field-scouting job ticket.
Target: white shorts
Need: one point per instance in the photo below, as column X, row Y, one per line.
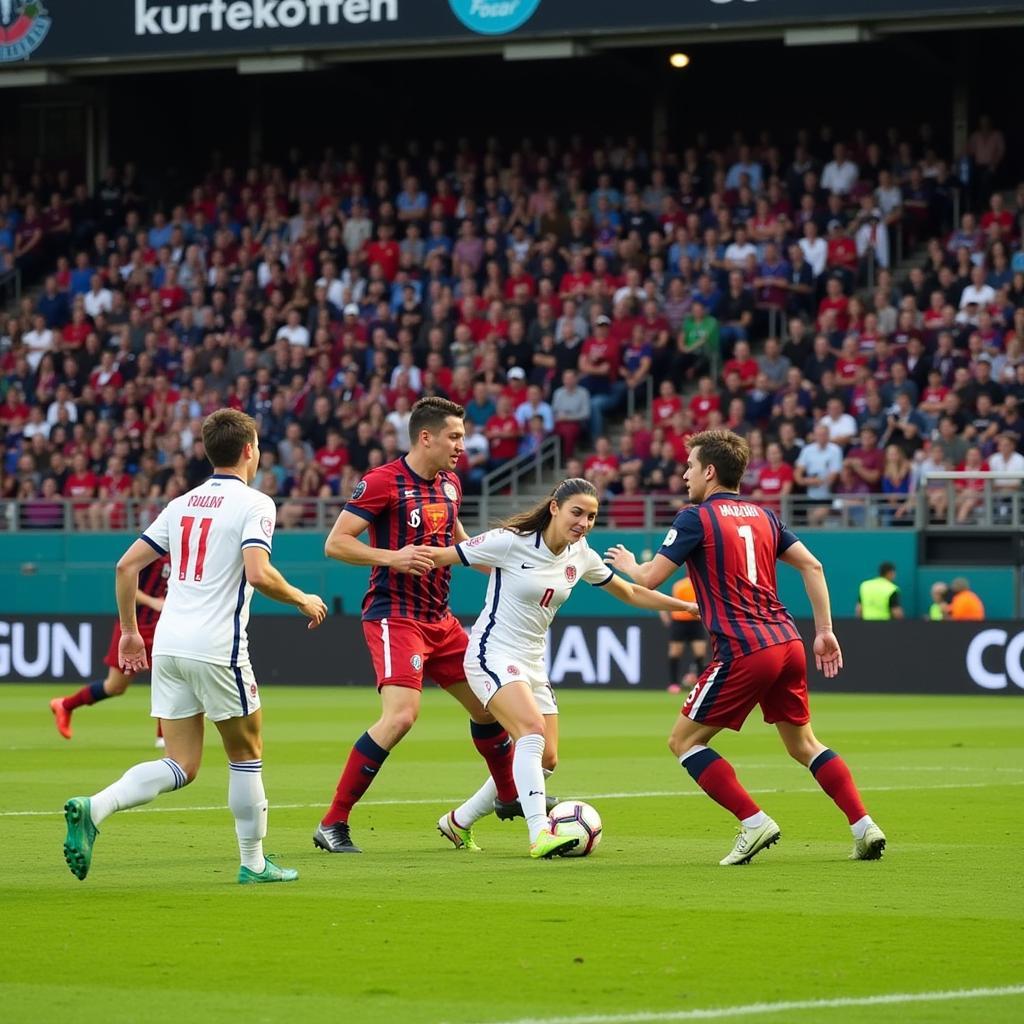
column 183, row 687
column 488, row 675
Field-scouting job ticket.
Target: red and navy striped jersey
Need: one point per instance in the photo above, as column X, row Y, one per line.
column 403, row 508
column 730, row 547
column 153, row 581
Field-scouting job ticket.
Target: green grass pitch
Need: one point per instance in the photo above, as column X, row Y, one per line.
column 648, row 929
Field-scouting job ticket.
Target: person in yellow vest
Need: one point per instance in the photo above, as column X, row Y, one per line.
column 940, row 601
column 879, row 597
column 684, row 629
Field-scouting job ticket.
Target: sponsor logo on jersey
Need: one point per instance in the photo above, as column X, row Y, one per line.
column 267, row 526
column 450, row 491
column 417, row 662
column 359, row 491
column 512, row 670
column 473, row 541
column 435, row 516
column 570, row 573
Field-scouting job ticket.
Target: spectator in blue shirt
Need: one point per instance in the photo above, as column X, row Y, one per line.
column 744, row 165
column 53, row 304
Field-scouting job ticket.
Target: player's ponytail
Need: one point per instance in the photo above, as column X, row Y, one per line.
column 536, row 519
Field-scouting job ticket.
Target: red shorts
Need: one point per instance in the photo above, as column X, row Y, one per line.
column 405, row 650
column 774, row 677
column 115, row 638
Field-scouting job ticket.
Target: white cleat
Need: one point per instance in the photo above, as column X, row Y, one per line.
column 870, row 845
column 751, row 841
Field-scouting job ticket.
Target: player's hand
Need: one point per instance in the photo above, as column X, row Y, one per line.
column 827, row 654
column 690, row 607
column 131, row 653
column 413, row 559
column 314, row 609
column 619, row 557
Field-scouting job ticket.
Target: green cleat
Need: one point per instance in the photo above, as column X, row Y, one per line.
column 81, row 835
column 461, row 838
column 546, row 845
column 270, row 873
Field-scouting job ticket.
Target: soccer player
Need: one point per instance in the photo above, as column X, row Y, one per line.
column 150, row 599
column 218, row 536
column 537, row 558
column 730, row 547
column 411, row 505
column 685, row 628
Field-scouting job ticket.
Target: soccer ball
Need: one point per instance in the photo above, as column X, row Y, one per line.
column 575, row 818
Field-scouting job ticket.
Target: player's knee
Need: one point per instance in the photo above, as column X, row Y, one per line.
column 401, row 720
column 116, row 686
column 803, row 751
column 675, row 745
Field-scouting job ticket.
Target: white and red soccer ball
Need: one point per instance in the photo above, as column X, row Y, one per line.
column 575, row 818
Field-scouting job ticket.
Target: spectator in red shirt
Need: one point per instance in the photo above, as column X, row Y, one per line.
column 599, row 363
column 704, row 402
column 602, row 467
column 332, row 459
column 172, row 295
column 81, row 484
column 666, row 405
column 837, row 302
column 742, row 363
column 502, row 430
column 842, row 253
column 774, row 480
column 385, row 251
column 867, row 460
column 628, row 508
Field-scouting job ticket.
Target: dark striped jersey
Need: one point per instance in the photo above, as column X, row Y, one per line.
column 152, row 581
column 404, row 508
column 730, row 547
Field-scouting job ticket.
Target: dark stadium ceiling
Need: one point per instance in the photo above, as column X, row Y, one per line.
column 60, row 40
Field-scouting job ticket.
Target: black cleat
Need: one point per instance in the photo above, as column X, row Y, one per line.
column 507, row 810
column 335, row 838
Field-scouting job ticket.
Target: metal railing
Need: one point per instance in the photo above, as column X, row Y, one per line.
column 648, row 392
column 938, row 504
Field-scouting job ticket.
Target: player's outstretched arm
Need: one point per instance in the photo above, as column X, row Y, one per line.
column 270, row 583
column 641, row 597
column 343, row 544
column 828, row 655
column 131, row 651
column 648, row 574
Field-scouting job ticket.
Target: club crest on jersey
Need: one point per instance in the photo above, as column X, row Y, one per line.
column 450, row 491
column 165, row 572
column 417, row 662
column 570, row 573
column 252, row 690
column 267, row 526
column 359, row 490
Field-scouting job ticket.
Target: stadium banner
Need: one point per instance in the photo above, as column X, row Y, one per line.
column 583, row 653
column 64, row 31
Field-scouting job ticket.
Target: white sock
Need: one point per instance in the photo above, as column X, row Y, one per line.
column 858, row 828
column 478, row 806
column 529, row 776
column 248, row 803
column 755, row 820
column 137, row 786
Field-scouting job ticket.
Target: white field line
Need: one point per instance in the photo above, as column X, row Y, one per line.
column 450, row 801
column 758, row 1009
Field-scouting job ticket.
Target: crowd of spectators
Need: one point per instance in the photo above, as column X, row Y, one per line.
column 547, row 290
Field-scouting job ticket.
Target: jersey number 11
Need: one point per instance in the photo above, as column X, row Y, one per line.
column 187, row 522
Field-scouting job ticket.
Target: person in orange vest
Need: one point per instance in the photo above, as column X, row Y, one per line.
column 964, row 605
column 684, row 629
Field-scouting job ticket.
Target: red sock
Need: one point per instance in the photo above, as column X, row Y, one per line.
column 830, row 772
column 360, row 770
column 84, row 697
column 716, row 777
column 496, row 748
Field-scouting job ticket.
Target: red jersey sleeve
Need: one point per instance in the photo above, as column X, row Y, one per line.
column 374, row 493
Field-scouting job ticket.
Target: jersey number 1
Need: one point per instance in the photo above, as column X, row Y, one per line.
column 187, row 522
column 747, row 533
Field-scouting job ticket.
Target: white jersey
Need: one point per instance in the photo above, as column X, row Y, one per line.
column 528, row 585
column 207, row 607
